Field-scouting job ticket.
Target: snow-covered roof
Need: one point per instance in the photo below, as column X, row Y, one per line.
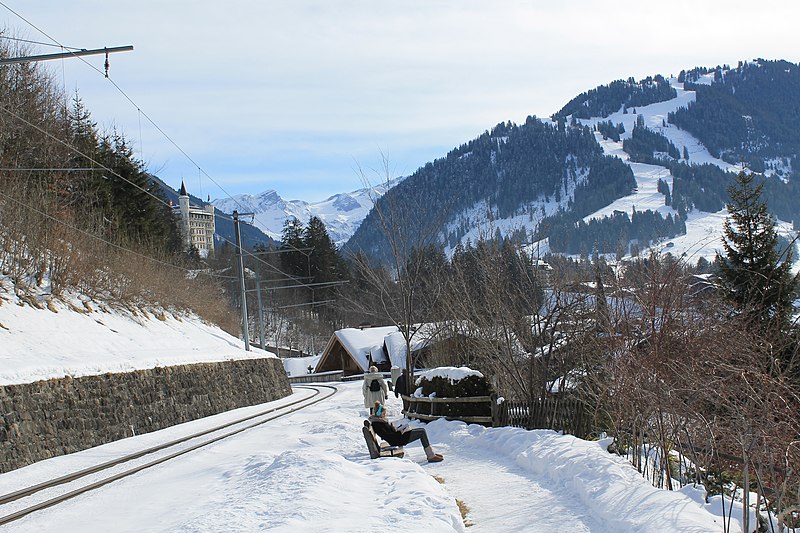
column 374, row 342
column 363, row 343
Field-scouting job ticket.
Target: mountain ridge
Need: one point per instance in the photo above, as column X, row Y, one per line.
column 678, row 180
column 581, row 180
column 341, row 213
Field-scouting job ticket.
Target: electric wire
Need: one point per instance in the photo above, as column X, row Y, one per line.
column 159, row 129
column 89, row 158
column 142, row 113
column 97, row 237
column 40, row 42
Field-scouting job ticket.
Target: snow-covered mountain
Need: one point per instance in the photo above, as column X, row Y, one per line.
column 582, row 181
column 561, row 183
column 342, row 213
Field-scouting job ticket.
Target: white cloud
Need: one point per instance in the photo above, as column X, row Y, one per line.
column 303, row 88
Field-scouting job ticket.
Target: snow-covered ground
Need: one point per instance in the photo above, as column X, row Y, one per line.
column 77, row 339
column 310, row 470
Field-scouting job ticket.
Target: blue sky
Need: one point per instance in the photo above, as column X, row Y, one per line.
column 309, row 97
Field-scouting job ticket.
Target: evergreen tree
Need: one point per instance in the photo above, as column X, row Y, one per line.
column 753, row 275
column 324, row 266
column 324, row 261
column 293, row 259
column 129, row 202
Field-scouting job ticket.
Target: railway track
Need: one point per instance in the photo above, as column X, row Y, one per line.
column 52, row 492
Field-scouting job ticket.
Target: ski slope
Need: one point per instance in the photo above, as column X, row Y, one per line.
column 703, row 230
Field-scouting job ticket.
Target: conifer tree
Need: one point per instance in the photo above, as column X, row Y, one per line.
column 324, row 261
column 127, row 199
column 755, row 276
column 293, row 259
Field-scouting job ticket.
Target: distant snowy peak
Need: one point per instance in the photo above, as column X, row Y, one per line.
column 248, row 203
column 342, row 213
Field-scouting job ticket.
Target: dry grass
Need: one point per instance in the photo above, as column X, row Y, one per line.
column 462, row 507
column 52, row 263
column 464, row 510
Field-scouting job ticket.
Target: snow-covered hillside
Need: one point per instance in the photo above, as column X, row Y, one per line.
column 703, row 229
column 341, row 213
column 80, row 337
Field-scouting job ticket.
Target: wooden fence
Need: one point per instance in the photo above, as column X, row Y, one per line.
column 561, row 413
column 334, row 375
column 424, row 408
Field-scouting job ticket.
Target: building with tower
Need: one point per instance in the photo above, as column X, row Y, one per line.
column 196, row 222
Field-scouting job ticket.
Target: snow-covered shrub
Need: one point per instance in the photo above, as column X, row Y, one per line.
column 451, row 382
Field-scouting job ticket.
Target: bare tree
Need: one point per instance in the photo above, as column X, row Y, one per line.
column 403, row 295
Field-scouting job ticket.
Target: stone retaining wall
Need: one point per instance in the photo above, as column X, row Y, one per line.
column 59, row 416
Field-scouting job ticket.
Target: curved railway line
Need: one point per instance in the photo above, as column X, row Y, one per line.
column 153, row 456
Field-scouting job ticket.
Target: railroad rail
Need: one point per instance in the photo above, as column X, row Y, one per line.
column 172, row 448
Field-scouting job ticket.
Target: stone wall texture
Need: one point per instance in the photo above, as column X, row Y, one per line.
column 59, row 416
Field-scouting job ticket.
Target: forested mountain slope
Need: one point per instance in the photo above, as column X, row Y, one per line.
column 619, row 168
column 513, row 171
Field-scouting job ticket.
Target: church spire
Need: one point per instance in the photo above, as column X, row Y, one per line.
column 183, row 190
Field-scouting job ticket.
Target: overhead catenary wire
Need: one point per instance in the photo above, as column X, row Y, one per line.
column 321, row 302
column 141, row 113
column 99, row 238
column 38, row 42
column 111, row 171
column 159, row 129
column 21, row 169
column 318, row 285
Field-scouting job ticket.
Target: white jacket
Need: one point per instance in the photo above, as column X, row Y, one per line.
column 370, row 397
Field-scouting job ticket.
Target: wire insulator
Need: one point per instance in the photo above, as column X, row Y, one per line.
column 107, row 65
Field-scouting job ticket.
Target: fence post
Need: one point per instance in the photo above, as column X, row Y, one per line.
column 493, row 409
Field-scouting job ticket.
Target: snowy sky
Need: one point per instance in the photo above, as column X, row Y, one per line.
column 297, row 96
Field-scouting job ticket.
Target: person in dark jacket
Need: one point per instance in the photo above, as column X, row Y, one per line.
column 400, row 437
column 401, row 387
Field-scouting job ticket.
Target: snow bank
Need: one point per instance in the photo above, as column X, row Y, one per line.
column 607, row 485
column 67, row 340
column 298, row 366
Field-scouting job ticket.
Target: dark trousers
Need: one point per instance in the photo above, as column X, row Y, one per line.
column 421, row 435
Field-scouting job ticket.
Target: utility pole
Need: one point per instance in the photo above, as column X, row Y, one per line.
column 245, row 329
column 260, row 313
